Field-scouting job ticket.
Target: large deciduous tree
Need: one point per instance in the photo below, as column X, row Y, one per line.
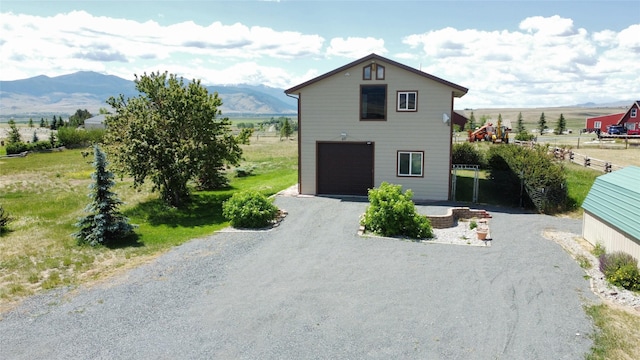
column 172, row 133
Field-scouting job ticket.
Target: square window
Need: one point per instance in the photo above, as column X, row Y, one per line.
column 407, row 101
column 410, row 163
column 597, row 124
column 373, row 102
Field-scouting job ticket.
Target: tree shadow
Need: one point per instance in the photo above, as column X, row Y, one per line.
column 131, row 240
column 203, row 208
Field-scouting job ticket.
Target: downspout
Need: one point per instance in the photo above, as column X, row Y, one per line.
column 299, row 141
column 449, row 197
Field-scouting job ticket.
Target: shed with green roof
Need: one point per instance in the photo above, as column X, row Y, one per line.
column 612, row 211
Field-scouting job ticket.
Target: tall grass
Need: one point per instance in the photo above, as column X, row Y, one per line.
column 47, row 192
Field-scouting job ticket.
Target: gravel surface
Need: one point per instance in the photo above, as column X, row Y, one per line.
column 312, row 288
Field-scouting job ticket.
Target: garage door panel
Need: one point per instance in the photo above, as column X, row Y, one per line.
column 344, row 168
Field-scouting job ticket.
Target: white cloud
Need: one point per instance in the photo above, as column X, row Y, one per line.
column 77, row 40
column 547, row 61
column 356, row 47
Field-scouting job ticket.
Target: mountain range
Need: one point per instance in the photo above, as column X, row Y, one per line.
column 89, row 90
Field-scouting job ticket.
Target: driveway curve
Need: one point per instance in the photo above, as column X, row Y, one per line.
column 313, row 289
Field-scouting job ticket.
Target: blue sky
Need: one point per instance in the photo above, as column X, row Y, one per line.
column 508, row 53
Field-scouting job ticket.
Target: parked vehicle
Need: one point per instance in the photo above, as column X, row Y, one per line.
column 616, row 130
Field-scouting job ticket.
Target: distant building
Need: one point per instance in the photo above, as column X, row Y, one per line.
column 96, row 122
column 630, row 119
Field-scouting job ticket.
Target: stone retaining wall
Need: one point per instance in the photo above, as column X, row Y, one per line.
column 448, row 220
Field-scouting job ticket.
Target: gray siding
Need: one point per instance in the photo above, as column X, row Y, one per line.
column 330, row 107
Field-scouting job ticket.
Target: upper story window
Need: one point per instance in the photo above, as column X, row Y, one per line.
column 407, row 101
column 634, row 112
column 369, row 71
column 373, row 102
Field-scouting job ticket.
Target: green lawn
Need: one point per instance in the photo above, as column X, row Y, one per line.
column 46, row 193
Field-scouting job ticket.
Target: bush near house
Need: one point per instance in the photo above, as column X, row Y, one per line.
column 467, row 154
column 249, row 209
column 544, row 180
column 621, row 269
column 392, row 213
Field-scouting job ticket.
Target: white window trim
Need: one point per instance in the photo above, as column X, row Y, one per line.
column 634, row 112
column 415, row 104
column 411, row 154
column 597, row 124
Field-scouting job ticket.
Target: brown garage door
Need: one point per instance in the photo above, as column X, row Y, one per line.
column 344, row 168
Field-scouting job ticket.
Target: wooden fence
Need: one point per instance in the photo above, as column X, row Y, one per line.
column 580, row 159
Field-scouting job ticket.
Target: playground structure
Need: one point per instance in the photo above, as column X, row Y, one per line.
column 489, row 132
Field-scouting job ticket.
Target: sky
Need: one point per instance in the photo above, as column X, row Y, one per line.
column 507, row 53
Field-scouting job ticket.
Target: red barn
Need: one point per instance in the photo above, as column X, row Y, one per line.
column 630, row 119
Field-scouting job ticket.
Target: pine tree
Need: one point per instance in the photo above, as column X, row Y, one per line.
column 35, row 137
column 14, row 133
column 520, row 124
column 471, row 125
column 30, row 122
column 54, row 123
column 542, row 124
column 60, row 122
column 52, row 140
column 561, row 125
column 104, row 224
column 42, row 124
column 285, row 129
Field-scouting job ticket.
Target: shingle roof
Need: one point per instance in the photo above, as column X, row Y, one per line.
column 615, row 199
column 459, row 91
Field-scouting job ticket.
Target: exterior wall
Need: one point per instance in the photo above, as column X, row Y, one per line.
column 330, row 107
column 605, row 121
column 632, row 122
column 596, row 231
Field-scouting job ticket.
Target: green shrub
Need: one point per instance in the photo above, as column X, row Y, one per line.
column 466, row 153
column 598, row 250
column 249, row 209
column 5, row 219
column 72, row 137
column 621, row 269
column 524, row 136
column 16, row 147
column 392, row 213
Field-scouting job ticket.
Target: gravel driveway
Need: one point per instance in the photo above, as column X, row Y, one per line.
column 313, row 289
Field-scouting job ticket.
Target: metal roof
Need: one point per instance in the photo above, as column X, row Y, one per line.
column 615, row 199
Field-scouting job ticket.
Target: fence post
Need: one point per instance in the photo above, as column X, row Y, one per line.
column 587, row 161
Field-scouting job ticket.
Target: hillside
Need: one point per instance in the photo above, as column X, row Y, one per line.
column 89, row 90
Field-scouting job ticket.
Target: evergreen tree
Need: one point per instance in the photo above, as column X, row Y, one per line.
column 542, row 124
column 104, row 224
column 520, row 124
column 14, row 133
column 52, row 140
column 60, row 122
column 561, row 125
column 285, row 129
column 54, row 123
column 30, row 122
column 42, row 124
column 35, row 137
column 5, row 219
column 471, row 124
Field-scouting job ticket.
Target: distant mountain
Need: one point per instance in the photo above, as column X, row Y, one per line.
column 89, row 90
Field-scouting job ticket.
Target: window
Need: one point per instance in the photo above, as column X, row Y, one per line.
column 373, row 102
column 634, row 112
column 410, row 163
column 407, row 100
column 369, row 70
column 597, row 124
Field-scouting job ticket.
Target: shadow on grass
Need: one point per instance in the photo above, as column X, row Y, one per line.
column 203, row 208
column 132, row 240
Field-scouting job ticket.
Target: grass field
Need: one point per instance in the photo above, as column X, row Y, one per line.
column 47, row 192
